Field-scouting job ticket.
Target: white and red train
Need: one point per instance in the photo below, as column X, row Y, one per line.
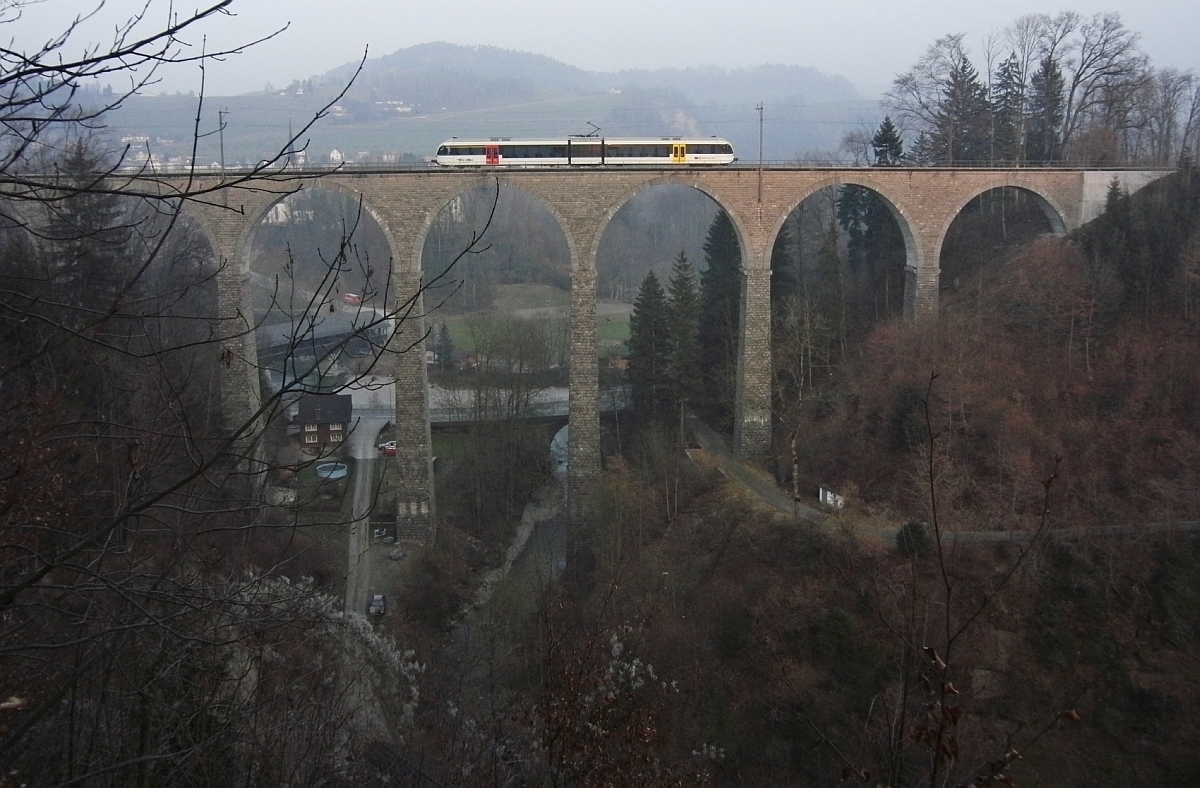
column 585, row 151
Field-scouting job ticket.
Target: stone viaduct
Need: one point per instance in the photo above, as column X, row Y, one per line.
column 405, row 203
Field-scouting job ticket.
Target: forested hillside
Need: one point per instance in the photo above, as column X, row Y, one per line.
column 1076, row 348
column 702, row 636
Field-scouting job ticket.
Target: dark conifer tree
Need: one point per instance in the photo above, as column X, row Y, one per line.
column 720, row 326
column 1008, row 111
column 922, row 151
column 831, row 286
column 684, row 307
column 89, row 235
column 961, row 133
column 1046, row 107
column 875, row 249
column 1143, row 241
column 650, row 351
column 444, row 348
column 887, row 144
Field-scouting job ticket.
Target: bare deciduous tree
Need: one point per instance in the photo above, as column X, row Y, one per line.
column 155, row 623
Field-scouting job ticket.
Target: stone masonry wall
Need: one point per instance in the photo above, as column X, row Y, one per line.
column 752, row 418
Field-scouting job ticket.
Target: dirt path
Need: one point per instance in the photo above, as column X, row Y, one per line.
column 763, row 487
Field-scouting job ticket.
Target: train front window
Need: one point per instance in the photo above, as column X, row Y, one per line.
column 443, row 151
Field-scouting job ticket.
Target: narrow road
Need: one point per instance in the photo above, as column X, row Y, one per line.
column 715, row 445
column 358, row 554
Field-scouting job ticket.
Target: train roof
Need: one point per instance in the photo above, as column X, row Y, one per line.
column 581, row 140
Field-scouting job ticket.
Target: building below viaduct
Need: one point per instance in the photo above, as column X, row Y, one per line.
column 923, row 201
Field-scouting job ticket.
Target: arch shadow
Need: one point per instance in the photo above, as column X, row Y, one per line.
column 912, row 250
column 674, row 180
column 254, row 221
column 498, row 182
column 1050, row 208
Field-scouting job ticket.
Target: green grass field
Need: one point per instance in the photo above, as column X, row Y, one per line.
column 612, row 320
column 612, row 329
column 510, row 298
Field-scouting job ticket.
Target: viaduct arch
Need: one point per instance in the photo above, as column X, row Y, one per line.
column 923, row 201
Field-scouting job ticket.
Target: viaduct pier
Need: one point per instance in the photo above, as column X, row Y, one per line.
column 405, row 203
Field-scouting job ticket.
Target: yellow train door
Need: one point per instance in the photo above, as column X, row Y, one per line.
column 678, row 153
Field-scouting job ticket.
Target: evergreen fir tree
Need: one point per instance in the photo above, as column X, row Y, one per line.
column 720, row 326
column 1046, row 107
column 650, row 351
column 444, row 348
column 923, row 151
column 873, row 241
column 962, row 132
column 831, row 285
column 1008, row 111
column 852, row 208
column 89, row 235
column 887, row 144
column 684, row 308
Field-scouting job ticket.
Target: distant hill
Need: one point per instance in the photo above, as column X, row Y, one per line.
column 494, row 63
column 410, row 100
column 703, row 84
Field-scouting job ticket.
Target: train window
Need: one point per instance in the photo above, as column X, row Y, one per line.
column 443, row 151
column 727, row 149
column 559, row 151
column 661, row 150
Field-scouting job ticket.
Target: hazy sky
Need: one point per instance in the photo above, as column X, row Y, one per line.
column 867, row 41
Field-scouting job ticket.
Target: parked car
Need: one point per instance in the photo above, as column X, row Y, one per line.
column 377, row 606
column 387, row 449
column 351, row 298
